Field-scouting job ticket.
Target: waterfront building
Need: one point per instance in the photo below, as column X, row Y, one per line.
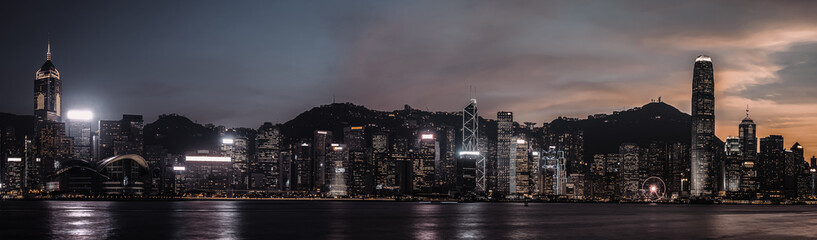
column 703, row 129
column 503, row 152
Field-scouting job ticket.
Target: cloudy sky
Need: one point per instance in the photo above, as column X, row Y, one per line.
column 240, row 63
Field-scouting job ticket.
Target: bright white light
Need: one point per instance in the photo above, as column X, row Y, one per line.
column 15, row 159
column 80, row 115
column 520, row 141
column 703, row 58
column 206, row 159
column 304, row 144
column 178, row 168
column 535, row 153
column 337, row 148
column 427, row 136
column 227, row 141
column 653, row 188
column 471, row 153
column 322, row 132
column 335, row 144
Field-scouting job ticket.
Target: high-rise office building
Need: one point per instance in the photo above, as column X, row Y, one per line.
column 125, row 136
column 630, row 171
column 520, row 180
column 747, row 133
column 732, row 168
column 360, row 171
column 320, row 145
column 771, row 165
column 470, row 156
column 268, row 149
column 793, row 169
column 428, row 154
column 338, row 164
column 48, row 91
column 703, row 129
column 503, row 151
column 80, row 130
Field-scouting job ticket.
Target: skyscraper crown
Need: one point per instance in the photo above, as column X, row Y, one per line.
column 703, row 58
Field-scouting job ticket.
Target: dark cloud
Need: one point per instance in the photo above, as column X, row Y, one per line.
column 797, row 77
column 243, row 63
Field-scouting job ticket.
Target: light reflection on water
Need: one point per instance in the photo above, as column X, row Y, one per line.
column 206, row 220
column 80, row 220
column 392, row 221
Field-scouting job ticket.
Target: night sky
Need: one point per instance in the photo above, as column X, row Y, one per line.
column 241, row 63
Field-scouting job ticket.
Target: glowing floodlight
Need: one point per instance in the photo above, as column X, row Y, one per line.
column 227, row 141
column 80, row 115
column 427, row 136
column 178, row 168
column 15, row 159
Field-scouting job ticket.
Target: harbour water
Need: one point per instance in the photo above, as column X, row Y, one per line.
column 154, row 220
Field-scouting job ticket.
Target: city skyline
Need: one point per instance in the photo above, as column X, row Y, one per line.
column 766, row 72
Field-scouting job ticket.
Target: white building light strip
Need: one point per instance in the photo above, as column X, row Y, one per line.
column 206, row 159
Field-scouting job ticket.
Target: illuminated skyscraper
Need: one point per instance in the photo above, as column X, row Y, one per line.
column 48, row 91
column 79, row 128
column 470, row 154
column 771, row 166
column 320, row 145
column 360, row 170
column 747, row 134
column 49, row 141
column 703, row 128
column 503, row 151
column 268, row 148
column 428, row 154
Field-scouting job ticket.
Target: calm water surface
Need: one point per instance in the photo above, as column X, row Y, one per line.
column 386, row 220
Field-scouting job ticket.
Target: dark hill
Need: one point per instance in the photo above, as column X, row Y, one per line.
column 654, row 122
column 179, row 135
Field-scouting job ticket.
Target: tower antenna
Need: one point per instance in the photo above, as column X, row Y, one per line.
column 48, row 53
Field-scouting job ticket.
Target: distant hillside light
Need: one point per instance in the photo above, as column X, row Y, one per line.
column 80, row 115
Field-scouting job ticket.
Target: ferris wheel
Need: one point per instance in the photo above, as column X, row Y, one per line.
column 653, row 189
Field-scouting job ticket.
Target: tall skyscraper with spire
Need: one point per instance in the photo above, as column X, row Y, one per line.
column 48, row 91
column 50, row 142
column 747, row 135
column 703, row 128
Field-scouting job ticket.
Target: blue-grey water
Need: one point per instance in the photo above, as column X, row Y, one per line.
column 398, row 220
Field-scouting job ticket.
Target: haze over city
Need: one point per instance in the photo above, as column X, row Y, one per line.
column 242, row 64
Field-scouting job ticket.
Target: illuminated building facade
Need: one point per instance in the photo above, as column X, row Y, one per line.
column 520, row 180
column 320, row 145
column 428, row 154
column 747, row 133
column 267, row 150
column 703, row 129
column 771, row 166
column 79, row 128
column 338, row 160
column 48, row 91
column 207, row 174
column 503, row 151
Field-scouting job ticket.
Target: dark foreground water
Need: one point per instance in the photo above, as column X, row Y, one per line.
column 386, row 220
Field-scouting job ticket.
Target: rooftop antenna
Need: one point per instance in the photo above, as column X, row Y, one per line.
column 747, row 110
column 48, row 53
